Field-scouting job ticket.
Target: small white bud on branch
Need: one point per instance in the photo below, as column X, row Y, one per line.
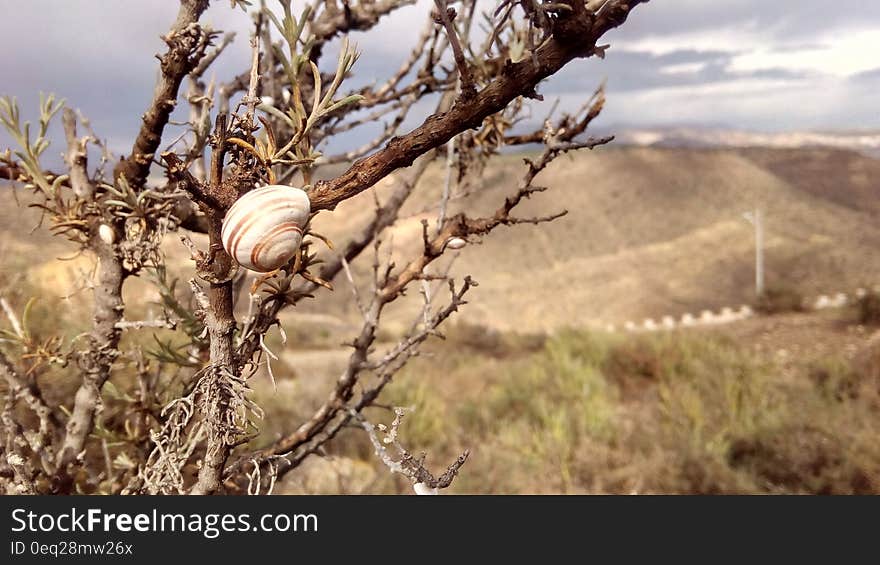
column 422, row 489
column 455, row 243
column 106, row 234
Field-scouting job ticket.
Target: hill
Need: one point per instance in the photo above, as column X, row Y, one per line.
column 865, row 141
column 652, row 231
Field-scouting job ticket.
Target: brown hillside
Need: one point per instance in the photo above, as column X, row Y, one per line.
column 843, row 177
column 654, row 231
column 650, row 232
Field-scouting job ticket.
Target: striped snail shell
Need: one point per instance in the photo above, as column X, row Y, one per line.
column 263, row 230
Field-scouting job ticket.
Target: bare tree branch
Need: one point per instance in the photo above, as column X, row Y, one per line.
column 576, row 37
column 76, row 157
column 445, row 17
column 187, row 42
column 19, row 387
column 333, row 20
column 289, row 451
column 411, row 467
column 95, row 362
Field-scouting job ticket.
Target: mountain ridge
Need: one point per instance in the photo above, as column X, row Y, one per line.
column 866, row 141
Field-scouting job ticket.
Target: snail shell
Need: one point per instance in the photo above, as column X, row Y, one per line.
column 263, row 230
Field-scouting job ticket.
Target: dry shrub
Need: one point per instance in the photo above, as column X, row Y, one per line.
column 633, row 365
column 779, row 300
column 490, row 341
column 804, row 458
column 869, row 309
column 866, row 366
column 709, row 418
column 836, row 378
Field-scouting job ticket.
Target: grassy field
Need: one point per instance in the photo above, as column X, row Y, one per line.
column 747, row 408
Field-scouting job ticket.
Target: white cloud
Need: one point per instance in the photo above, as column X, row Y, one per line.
column 754, row 104
column 843, row 55
column 730, row 39
column 754, row 48
column 684, row 68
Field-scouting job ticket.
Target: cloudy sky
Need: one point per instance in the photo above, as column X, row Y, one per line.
column 767, row 65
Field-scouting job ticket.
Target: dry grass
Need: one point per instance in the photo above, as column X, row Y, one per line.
column 674, row 413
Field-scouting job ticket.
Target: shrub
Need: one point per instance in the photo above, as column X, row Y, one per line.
column 778, row 300
column 804, row 458
column 490, row 341
column 708, row 417
column 869, row 309
column 836, row 379
column 714, row 392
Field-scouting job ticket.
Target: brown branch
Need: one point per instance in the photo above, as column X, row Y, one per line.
column 10, row 172
column 220, row 323
column 200, row 108
column 218, row 408
column 251, row 98
column 187, row 43
column 445, row 17
column 209, row 58
column 568, row 127
column 94, row 362
column 75, row 157
column 19, row 387
column 333, row 21
column 334, row 414
column 407, row 465
column 461, row 226
column 228, row 89
column 200, row 192
column 331, row 418
column 575, row 36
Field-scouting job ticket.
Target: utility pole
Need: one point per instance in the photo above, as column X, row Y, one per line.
column 756, row 218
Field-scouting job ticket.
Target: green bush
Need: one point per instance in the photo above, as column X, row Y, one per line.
column 709, row 417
